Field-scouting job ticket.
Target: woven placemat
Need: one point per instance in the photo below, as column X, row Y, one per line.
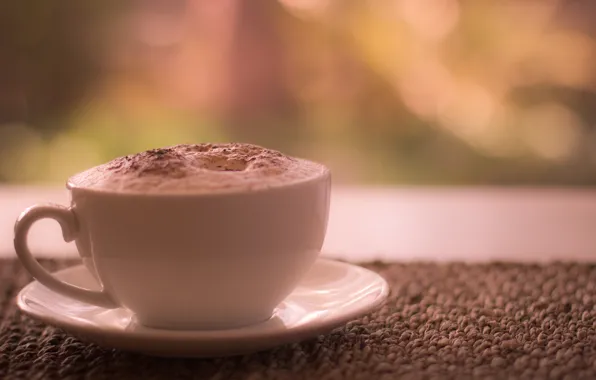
column 440, row 321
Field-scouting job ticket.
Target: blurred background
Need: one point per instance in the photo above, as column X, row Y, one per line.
column 385, row 92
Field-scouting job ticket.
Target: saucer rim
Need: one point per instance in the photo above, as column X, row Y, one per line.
column 237, row 334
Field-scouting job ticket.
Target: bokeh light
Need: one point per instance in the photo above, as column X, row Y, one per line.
column 384, row 92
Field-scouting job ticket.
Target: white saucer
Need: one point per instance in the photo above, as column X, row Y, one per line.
column 331, row 294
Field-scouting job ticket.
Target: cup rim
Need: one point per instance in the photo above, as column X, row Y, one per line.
column 324, row 174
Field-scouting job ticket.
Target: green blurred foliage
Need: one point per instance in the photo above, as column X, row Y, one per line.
column 432, row 92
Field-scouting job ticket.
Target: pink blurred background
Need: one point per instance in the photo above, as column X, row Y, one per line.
column 393, row 92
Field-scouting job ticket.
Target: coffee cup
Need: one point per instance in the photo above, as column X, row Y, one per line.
column 207, row 260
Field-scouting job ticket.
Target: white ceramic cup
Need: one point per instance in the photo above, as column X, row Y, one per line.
column 191, row 261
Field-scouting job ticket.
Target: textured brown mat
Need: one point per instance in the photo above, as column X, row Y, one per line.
column 441, row 321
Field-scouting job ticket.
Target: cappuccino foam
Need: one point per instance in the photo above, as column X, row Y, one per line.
column 198, row 168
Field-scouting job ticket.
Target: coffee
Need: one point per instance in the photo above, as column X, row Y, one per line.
column 179, row 259
column 198, row 168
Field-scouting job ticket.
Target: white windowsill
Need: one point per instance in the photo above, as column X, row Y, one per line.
column 463, row 224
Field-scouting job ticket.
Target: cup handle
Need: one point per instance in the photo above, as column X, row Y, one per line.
column 68, row 222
